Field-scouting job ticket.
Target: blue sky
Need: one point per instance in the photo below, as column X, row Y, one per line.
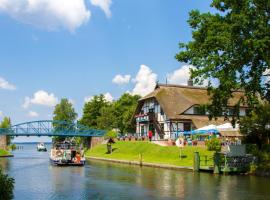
column 50, row 50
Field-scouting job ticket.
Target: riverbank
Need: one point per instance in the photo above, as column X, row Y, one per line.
column 4, row 153
column 149, row 154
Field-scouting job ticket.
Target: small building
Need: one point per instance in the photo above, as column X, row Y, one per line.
column 170, row 109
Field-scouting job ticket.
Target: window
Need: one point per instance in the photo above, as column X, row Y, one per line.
column 199, row 110
column 151, row 110
column 161, row 111
column 187, row 126
column 142, row 130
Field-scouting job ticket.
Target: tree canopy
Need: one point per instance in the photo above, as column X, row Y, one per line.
column 6, row 186
column 92, row 111
column 124, row 109
column 101, row 114
column 231, row 48
column 6, row 123
column 63, row 111
column 255, row 125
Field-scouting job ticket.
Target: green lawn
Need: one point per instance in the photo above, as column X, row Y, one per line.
column 4, row 153
column 151, row 153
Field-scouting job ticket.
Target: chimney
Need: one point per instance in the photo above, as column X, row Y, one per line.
column 190, row 82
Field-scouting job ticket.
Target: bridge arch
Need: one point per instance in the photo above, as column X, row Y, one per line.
column 51, row 128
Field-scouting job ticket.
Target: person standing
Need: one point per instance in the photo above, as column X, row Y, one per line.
column 150, row 135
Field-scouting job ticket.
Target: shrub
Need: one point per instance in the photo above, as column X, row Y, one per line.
column 6, row 186
column 111, row 134
column 266, row 148
column 252, row 149
column 213, row 145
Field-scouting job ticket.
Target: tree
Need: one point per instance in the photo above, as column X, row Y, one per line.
column 7, row 186
column 231, row 47
column 107, row 118
column 124, row 109
column 63, row 111
column 254, row 125
column 6, row 123
column 92, row 111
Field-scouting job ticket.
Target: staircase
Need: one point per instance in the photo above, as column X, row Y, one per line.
column 156, row 124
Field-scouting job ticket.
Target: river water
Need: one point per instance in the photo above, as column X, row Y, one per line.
column 36, row 179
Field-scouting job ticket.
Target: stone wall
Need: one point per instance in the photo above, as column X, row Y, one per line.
column 94, row 141
column 3, row 142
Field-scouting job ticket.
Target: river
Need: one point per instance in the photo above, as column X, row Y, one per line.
column 36, row 179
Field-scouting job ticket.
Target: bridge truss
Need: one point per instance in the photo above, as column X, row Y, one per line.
column 51, row 128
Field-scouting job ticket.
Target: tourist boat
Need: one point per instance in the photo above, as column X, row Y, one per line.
column 41, row 147
column 66, row 154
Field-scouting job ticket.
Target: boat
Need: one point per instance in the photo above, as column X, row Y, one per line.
column 41, row 147
column 66, row 154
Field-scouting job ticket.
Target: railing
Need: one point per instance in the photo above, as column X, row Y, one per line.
column 206, row 160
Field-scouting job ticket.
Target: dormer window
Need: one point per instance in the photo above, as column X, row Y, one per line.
column 199, row 110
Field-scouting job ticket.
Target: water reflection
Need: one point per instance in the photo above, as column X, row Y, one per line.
column 37, row 179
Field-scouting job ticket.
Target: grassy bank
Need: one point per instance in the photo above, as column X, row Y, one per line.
column 151, row 153
column 4, row 153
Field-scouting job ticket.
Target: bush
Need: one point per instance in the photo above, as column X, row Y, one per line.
column 266, row 148
column 111, row 134
column 213, row 145
column 12, row 147
column 252, row 149
column 6, row 186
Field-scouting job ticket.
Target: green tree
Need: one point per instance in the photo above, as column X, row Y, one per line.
column 6, row 186
column 63, row 111
column 213, row 145
column 92, row 111
column 231, row 48
column 6, row 123
column 254, row 125
column 107, row 118
column 124, row 109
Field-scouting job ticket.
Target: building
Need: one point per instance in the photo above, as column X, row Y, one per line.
column 173, row 108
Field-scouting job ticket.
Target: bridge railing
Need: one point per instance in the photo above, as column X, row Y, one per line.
column 51, row 128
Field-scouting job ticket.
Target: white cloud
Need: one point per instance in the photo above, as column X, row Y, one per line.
column 48, row 14
column 180, row 76
column 145, row 81
column 108, row 97
column 6, row 85
column 72, row 101
column 27, row 102
column 104, row 5
column 121, row 79
column 1, row 114
column 32, row 114
column 41, row 97
column 87, row 99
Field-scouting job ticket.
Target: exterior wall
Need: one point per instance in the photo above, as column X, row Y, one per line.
column 242, row 111
column 169, row 128
column 94, row 141
column 3, row 142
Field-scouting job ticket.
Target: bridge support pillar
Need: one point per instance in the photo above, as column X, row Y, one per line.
column 94, row 141
column 3, row 142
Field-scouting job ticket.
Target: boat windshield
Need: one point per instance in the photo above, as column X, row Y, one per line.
column 65, row 145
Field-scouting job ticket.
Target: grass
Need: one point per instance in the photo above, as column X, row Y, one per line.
column 151, row 153
column 4, row 153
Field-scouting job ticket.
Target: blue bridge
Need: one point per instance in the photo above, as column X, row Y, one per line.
column 51, row 128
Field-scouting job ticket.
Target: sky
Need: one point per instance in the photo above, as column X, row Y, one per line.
column 53, row 49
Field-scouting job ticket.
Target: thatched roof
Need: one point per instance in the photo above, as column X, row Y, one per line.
column 230, row 134
column 176, row 99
